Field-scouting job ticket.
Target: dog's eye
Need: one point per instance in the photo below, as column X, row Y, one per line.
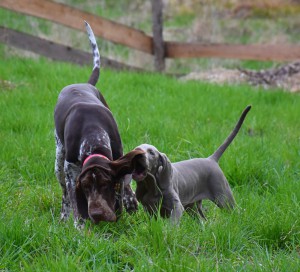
column 151, row 152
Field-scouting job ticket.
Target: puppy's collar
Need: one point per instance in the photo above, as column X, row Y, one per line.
column 93, row 156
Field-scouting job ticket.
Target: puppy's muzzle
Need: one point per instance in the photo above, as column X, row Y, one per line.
column 140, row 168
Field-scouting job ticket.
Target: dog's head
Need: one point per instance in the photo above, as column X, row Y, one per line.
column 99, row 187
column 152, row 162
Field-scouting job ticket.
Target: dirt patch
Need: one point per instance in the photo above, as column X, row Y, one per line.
column 286, row 77
column 217, row 75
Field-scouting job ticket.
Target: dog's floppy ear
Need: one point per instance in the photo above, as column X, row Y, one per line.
column 164, row 171
column 126, row 164
column 81, row 200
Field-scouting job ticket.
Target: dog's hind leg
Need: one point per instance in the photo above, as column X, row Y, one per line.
column 199, row 209
column 225, row 200
column 60, row 175
column 194, row 209
column 219, row 190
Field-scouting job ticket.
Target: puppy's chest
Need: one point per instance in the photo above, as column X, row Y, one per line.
column 152, row 202
column 148, row 195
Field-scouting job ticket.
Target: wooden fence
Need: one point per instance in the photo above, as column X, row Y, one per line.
column 55, row 51
column 136, row 39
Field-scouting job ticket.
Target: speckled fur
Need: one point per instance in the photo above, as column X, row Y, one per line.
column 60, row 175
column 92, row 130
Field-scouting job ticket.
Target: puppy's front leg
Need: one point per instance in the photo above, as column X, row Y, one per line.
column 173, row 202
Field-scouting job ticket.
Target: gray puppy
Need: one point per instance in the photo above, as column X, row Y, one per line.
column 173, row 187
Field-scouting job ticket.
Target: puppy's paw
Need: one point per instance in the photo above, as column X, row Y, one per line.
column 129, row 199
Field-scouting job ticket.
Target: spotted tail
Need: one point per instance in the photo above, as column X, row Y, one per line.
column 96, row 56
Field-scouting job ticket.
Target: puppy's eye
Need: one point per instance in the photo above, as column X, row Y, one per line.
column 151, row 152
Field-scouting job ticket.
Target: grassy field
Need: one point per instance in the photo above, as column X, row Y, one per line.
column 184, row 120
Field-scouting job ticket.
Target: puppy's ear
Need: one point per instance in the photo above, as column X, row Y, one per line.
column 126, row 164
column 162, row 162
column 81, row 200
column 164, row 171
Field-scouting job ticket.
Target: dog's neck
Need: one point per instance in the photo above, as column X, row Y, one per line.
column 96, row 143
column 94, row 155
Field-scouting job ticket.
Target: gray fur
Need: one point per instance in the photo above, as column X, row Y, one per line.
column 184, row 184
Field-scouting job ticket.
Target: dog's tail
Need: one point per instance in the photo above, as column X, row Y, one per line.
column 96, row 56
column 219, row 152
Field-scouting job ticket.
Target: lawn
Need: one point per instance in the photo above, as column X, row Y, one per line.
column 184, row 120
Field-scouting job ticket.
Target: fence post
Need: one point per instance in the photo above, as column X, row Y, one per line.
column 158, row 41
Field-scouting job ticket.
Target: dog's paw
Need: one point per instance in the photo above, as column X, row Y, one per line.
column 129, row 199
column 64, row 214
column 79, row 224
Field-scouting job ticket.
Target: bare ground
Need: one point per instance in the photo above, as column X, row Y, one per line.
column 286, row 77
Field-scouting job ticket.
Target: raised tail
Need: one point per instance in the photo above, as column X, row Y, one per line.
column 219, row 152
column 96, row 56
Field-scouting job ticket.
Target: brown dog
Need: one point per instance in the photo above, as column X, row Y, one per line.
column 90, row 165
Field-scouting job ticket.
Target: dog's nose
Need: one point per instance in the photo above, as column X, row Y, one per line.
column 98, row 215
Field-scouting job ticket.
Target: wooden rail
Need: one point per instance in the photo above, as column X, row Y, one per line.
column 283, row 52
column 55, row 51
column 136, row 39
column 74, row 18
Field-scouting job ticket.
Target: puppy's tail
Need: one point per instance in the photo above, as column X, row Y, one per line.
column 219, row 152
column 96, row 56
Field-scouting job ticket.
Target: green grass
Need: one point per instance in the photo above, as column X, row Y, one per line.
column 184, row 120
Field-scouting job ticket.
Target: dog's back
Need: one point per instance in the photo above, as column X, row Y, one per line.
column 73, row 94
column 82, row 108
column 71, row 99
column 193, row 178
column 198, row 179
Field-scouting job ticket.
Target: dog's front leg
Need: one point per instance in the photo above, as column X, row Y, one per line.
column 173, row 202
column 71, row 172
column 129, row 199
column 60, row 175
